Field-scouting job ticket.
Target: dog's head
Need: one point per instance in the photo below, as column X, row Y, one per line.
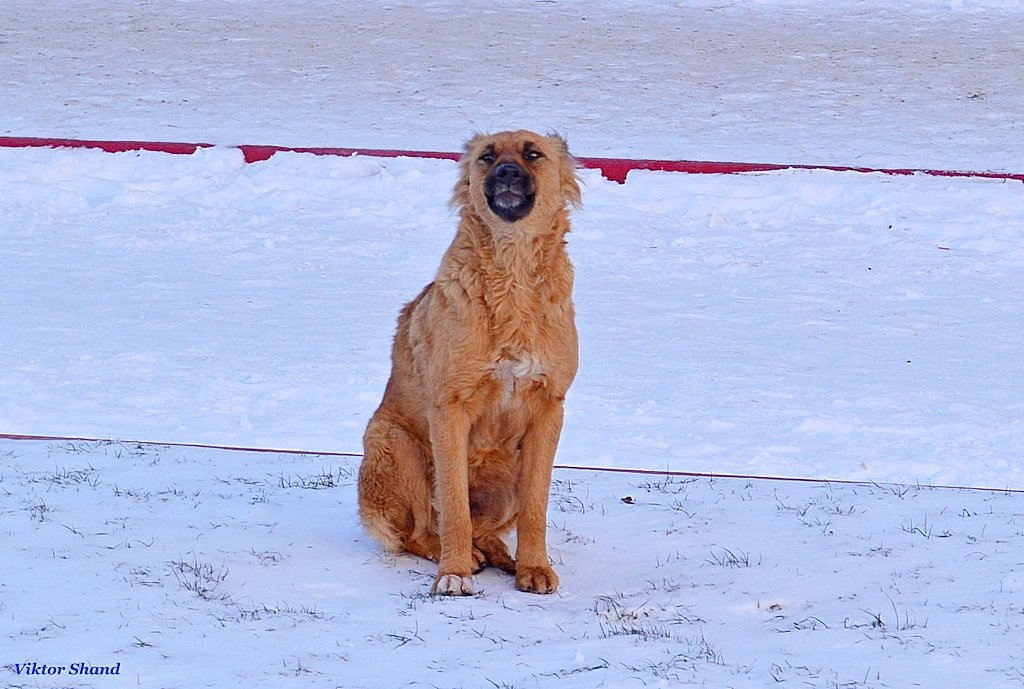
column 514, row 176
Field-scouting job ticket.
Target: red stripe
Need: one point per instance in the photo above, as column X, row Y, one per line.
column 614, row 169
column 108, row 146
column 565, row 467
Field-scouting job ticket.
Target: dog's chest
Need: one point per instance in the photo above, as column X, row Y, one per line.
column 515, row 376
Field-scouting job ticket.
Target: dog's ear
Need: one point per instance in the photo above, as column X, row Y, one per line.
column 567, row 171
column 460, row 193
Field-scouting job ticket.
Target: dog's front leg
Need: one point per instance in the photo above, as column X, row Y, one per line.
column 533, row 571
column 449, row 432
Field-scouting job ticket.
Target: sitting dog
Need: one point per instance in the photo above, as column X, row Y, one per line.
column 460, row 451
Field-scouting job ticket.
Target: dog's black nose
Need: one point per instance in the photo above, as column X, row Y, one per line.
column 509, row 173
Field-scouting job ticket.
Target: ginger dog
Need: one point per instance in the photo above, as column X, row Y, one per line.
column 460, row 450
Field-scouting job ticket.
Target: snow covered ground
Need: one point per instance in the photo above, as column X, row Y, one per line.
column 193, row 568
column 797, row 323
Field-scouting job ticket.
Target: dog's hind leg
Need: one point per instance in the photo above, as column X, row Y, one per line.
column 394, row 491
column 495, row 551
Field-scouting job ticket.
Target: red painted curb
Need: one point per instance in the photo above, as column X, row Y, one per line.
column 614, row 169
column 108, row 146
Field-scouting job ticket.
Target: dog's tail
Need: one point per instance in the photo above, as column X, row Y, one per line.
column 383, row 517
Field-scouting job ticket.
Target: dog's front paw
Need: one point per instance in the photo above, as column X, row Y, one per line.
column 536, row 579
column 452, row 585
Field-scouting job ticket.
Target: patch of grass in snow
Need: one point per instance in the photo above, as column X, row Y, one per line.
column 141, row 576
column 63, row 477
column 165, row 495
column 200, row 578
column 404, row 637
column 38, row 511
column 263, row 611
column 266, row 557
column 323, row 479
column 812, row 676
column 503, row 685
column 563, row 499
column 889, row 626
column 562, row 674
column 923, row 529
column 731, row 559
column 645, row 621
column 667, row 485
column 677, row 666
column 418, row 599
column 899, row 490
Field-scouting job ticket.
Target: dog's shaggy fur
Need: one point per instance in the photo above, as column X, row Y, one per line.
column 461, row 449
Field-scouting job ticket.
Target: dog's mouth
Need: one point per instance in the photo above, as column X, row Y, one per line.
column 509, row 191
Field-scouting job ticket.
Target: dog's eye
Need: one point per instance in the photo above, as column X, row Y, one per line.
column 534, row 155
column 488, row 158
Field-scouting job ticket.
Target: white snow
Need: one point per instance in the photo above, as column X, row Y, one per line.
column 796, row 323
column 199, row 568
column 834, row 325
column 879, row 83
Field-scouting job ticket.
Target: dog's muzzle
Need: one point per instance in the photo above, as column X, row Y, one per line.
column 510, row 193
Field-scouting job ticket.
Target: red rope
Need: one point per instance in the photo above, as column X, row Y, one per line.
column 199, row 446
column 614, row 169
column 788, row 479
column 565, row 467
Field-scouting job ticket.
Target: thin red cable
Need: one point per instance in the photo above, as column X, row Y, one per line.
column 200, row 446
column 566, row 467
